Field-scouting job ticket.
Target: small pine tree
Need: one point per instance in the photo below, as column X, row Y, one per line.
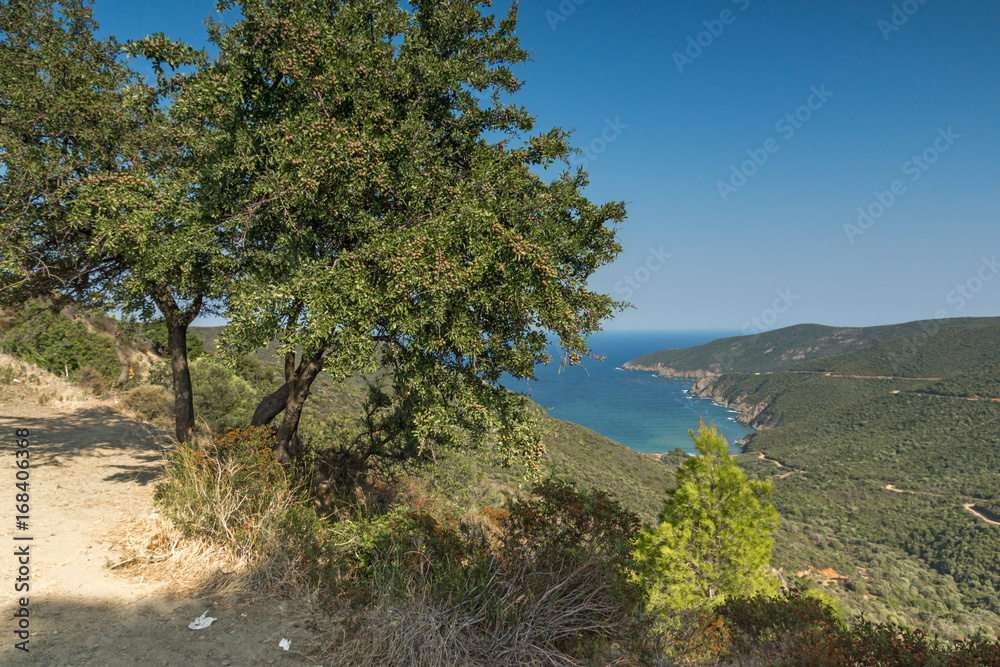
column 714, row 537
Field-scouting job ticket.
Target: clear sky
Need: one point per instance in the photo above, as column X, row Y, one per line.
column 782, row 162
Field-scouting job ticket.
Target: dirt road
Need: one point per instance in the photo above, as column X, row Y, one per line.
column 90, row 469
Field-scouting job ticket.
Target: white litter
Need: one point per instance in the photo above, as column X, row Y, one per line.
column 201, row 622
column 285, row 644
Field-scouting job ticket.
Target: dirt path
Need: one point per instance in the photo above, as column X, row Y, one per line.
column 91, row 468
column 866, row 377
column 972, row 508
column 791, row 471
column 969, row 507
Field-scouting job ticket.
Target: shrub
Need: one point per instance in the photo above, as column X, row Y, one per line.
column 149, row 403
column 805, row 631
column 771, row 626
column 160, row 374
column 90, row 379
column 231, row 490
column 48, row 338
column 553, row 586
column 221, row 397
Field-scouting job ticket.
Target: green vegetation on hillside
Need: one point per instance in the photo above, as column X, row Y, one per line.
column 784, row 349
column 60, row 342
column 940, row 348
column 981, row 382
column 790, row 397
column 872, row 473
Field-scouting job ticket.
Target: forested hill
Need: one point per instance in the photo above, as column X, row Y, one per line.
column 790, row 347
column 936, row 352
column 883, row 461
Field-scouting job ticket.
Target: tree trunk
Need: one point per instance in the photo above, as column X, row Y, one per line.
column 183, row 397
column 177, row 322
column 286, row 447
column 270, row 407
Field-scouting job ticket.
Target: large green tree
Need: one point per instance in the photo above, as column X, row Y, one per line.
column 714, row 537
column 385, row 207
column 98, row 195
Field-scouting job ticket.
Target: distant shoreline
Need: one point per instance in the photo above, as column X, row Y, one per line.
column 701, row 382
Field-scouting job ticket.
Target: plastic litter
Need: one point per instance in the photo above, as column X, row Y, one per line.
column 201, row 622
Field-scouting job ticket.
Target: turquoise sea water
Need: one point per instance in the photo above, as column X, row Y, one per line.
column 638, row 409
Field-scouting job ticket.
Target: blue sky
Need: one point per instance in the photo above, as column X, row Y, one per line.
column 781, row 162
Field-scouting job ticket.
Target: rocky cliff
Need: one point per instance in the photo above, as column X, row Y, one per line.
column 747, row 412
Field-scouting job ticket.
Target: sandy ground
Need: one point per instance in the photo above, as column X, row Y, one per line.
column 91, row 469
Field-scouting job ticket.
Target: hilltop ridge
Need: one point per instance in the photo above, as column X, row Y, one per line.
column 786, row 348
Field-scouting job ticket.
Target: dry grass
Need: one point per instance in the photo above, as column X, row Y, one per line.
column 417, row 632
column 20, row 379
column 156, row 549
column 515, row 615
column 222, row 542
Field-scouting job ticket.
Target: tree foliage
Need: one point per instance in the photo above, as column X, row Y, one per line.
column 714, row 537
column 383, row 207
column 100, row 204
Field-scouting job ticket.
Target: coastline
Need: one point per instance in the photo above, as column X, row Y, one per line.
column 702, row 387
column 667, row 371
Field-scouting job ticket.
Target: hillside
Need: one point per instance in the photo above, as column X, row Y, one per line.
column 942, row 350
column 784, row 349
column 769, row 400
column 884, row 462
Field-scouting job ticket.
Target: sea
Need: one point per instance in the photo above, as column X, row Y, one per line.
column 638, row 409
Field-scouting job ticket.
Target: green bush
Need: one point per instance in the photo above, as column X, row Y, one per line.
column 221, row 397
column 50, row 339
column 224, row 396
column 161, row 375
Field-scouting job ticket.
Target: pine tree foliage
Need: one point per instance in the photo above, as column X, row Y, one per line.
column 714, row 537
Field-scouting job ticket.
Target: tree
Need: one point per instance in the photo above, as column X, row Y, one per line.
column 714, row 537
column 61, row 122
column 384, row 211
column 100, row 204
